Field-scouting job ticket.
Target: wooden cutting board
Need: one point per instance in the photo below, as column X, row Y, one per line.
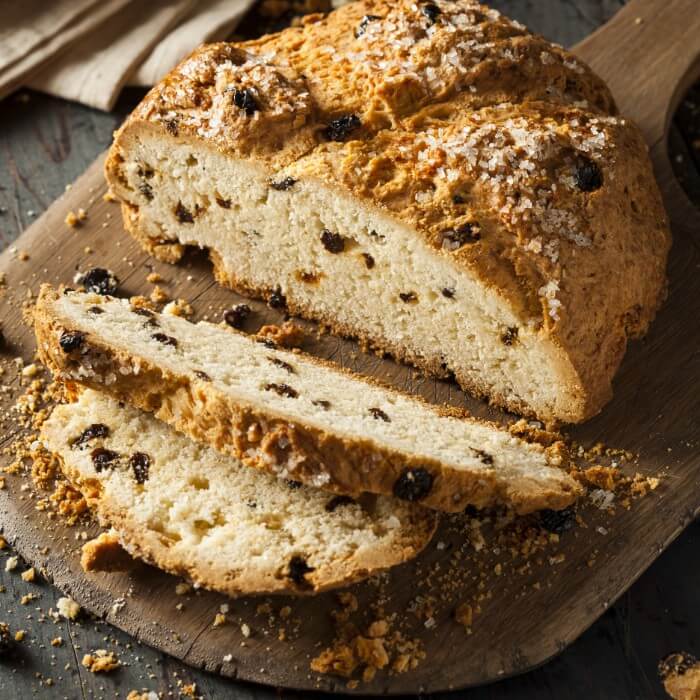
column 649, row 54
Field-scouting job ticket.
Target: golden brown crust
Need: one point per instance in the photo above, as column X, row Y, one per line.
column 145, row 545
column 104, row 553
column 463, row 118
column 287, row 448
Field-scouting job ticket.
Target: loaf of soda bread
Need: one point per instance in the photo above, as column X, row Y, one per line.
column 426, row 176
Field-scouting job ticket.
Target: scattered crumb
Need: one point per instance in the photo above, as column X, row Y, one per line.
column 11, row 563
column 105, row 553
column 69, row 503
column 29, row 575
column 342, row 659
column 30, row 370
column 182, row 588
column 179, row 307
column 464, row 615
column 141, row 302
column 159, row 295
column 288, row 335
column 68, row 608
column 73, row 220
column 57, row 642
column 20, row 635
column 219, row 619
column 367, row 653
column 5, row 638
column 101, row 661
column 118, row 605
column 188, row 689
column 680, row 674
column 154, row 277
column 379, row 628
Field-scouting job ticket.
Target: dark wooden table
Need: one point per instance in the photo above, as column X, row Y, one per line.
column 44, row 145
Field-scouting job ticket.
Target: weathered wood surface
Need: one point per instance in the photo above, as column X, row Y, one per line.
column 616, row 658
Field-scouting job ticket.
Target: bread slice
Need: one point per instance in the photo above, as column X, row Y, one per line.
column 428, row 177
column 196, row 513
column 292, row 414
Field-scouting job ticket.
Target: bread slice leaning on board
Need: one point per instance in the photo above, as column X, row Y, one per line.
column 194, row 512
column 292, row 414
column 427, row 176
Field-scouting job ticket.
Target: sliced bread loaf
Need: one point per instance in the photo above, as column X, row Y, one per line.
column 290, row 413
column 429, row 177
column 196, row 513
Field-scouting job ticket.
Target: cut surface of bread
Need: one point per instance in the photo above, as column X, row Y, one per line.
column 194, row 512
column 290, row 413
column 437, row 182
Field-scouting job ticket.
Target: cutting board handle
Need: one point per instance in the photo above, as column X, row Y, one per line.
column 649, row 54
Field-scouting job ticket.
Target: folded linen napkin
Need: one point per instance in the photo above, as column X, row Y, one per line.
column 213, row 20
column 34, row 32
column 96, row 69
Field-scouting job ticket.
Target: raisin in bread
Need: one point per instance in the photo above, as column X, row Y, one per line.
column 290, row 413
column 194, row 512
column 428, row 177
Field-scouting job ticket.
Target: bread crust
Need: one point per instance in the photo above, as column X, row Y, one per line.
column 587, row 268
column 278, row 444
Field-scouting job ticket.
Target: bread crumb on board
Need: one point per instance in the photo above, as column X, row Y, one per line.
column 183, row 588
column 5, row 639
column 68, row 608
column 680, row 674
column 101, row 661
column 73, row 219
column 154, row 278
column 105, row 553
column 288, row 335
column 159, row 295
column 363, row 654
column 178, row 307
column 29, row 575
